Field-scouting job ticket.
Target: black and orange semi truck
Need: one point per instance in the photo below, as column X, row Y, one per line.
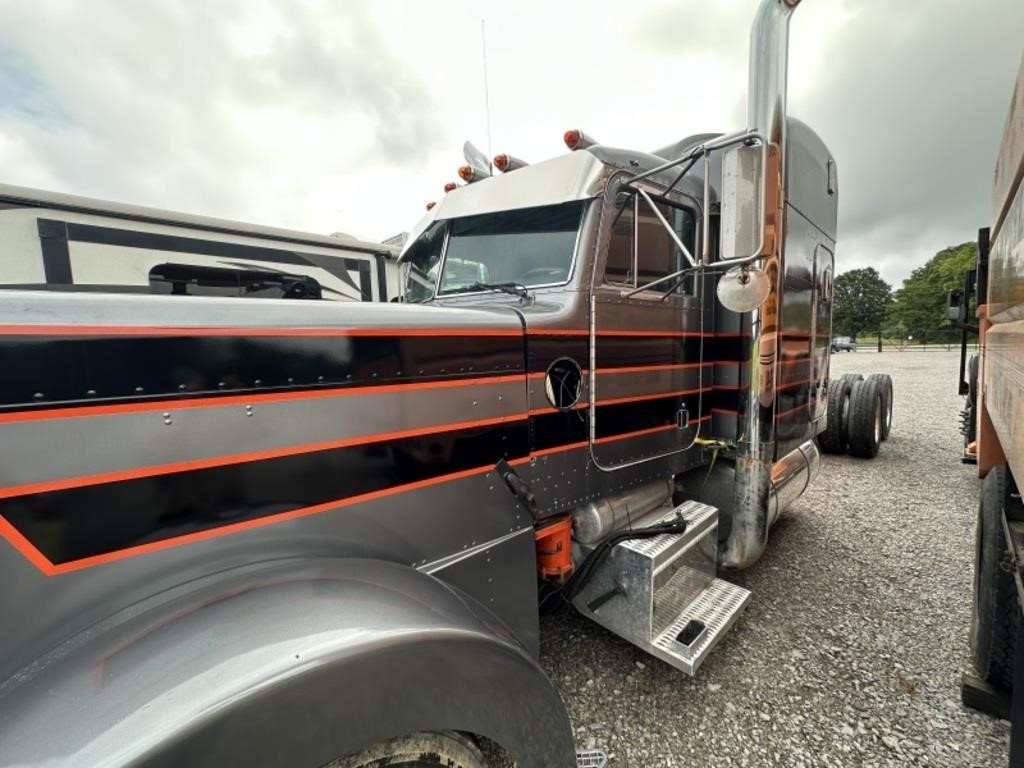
column 273, row 532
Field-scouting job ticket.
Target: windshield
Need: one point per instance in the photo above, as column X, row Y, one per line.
column 532, row 246
column 526, row 247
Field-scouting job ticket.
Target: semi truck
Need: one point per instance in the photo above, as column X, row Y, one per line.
column 994, row 385
column 271, row 532
column 58, row 242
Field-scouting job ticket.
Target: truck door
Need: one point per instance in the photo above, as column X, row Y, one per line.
column 645, row 345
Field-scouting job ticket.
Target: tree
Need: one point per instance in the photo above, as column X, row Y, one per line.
column 919, row 306
column 861, row 298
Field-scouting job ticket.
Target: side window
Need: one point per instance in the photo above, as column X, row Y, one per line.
column 191, row 280
column 423, row 259
column 640, row 257
column 619, row 268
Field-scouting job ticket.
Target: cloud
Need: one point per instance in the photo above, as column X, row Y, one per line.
column 323, row 116
column 233, row 108
column 912, row 103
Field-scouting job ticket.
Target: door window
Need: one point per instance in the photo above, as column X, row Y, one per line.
column 641, row 249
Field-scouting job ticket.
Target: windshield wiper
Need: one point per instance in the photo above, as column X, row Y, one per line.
column 515, row 289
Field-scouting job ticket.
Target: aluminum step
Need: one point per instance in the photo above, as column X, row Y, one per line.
column 591, row 758
column 662, row 593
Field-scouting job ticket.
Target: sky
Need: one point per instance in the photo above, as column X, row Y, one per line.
column 327, row 116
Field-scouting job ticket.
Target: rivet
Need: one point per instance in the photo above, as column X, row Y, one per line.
column 248, row 410
column 38, row 396
column 258, row 382
column 139, row 390
column 291, row 380
column 91, row 393
column 319, row 378
column 181, row 387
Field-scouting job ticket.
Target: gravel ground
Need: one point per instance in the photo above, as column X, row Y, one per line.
column 851, row 650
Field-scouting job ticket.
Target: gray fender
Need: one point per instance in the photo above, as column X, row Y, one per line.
column 284, row 663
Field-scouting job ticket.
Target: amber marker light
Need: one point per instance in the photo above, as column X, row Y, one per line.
column 431, row 204
column 501, row 162
column 466, row 173
column 450, row 186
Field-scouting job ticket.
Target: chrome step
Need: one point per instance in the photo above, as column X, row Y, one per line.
column 591, row 758
column 662, row 593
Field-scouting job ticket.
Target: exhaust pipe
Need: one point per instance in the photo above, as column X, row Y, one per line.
column 791, row 476
column 766, row 114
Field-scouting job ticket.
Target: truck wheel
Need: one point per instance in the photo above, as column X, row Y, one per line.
column 834, row 438
column 421, row 750
column 865, row 418
column 995, row 615
column 885, row 382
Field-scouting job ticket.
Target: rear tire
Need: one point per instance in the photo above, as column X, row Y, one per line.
column 995, row 616
column 421, row 750
column 835, row 436
column 865, row 418
column 885, row 382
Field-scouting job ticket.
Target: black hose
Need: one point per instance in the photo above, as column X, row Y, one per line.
column 582, row 575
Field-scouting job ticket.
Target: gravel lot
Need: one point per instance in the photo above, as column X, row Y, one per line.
column 851, row 650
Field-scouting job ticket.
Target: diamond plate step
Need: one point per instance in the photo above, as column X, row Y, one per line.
column 662, row 593
column 591, row 758
column 717, row 608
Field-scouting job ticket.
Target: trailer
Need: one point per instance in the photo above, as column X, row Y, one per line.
column 58, row 242
column 994, row 385
column 268, row 532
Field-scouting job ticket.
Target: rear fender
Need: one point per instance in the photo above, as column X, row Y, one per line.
column 286, row 663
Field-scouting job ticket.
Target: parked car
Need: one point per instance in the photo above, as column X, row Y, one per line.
column 844, row 344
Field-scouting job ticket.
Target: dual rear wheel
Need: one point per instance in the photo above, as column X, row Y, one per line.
column 859, row 414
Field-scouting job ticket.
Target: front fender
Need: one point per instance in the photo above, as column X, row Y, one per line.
column 286, row 663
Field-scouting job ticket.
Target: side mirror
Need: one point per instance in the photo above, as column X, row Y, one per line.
column 956, row 309
column 742, row 201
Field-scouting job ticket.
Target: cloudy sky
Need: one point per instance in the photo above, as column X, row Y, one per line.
column 325, row 115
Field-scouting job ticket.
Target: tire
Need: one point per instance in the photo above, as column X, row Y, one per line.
column 851, row 377
column 421, row 750
column 995, row 616
column 865, row 423
column 885, row 382
column 835, row 436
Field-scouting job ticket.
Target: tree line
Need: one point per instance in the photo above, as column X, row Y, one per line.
column 867, row 306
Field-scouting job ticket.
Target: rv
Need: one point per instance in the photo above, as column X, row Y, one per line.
column 59, row 242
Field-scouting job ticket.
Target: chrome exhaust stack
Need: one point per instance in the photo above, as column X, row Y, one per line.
column 766, row 115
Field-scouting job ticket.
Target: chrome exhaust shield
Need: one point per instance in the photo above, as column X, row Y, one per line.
column 755, row 451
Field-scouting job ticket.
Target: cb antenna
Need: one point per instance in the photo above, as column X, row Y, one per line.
column 487, row 95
